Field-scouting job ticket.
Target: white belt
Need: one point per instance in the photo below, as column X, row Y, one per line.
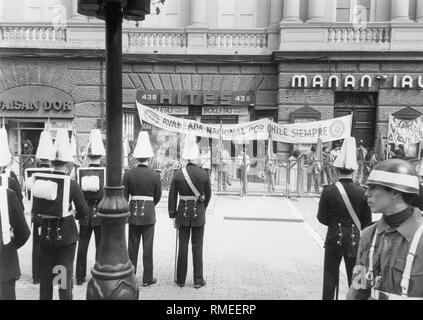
column 380, row 295
column 188, row 198
column 142, row 198
column 67, row 214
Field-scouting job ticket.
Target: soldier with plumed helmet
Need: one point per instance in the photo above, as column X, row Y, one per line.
column 143, row 190
column 343, row 209
column 390, row 255
column 43, row 155
column 14, row 231
column 59, row 201
column 189, row 196
column 92, row 180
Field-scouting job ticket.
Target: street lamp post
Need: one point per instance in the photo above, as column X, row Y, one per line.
column 113, row 275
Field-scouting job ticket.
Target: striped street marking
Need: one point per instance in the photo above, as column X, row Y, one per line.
column 311, row 231
column 306, row 225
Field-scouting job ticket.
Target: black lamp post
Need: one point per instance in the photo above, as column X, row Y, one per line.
column 113, row 273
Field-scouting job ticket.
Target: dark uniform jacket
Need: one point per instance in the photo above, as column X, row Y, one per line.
column 179, row 187
column 333, row 211
column 390, row 256
column 67, row 225
column 142, row 181
column 9, row 262
column 91, row 219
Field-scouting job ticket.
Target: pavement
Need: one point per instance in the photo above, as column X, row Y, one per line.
column 255, row 248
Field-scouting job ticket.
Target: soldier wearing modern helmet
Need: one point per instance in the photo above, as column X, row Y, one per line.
column 343, row 208
column 390, row 255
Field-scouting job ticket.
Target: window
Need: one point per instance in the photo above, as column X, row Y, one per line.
column 128, row 125
column 237, row 14
column 169, row 16
column 44, row 10
column 353, row 10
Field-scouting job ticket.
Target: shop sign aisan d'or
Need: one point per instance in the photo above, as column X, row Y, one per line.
column 351, row 81
column 36, row 101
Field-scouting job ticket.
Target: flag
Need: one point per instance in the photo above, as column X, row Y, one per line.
column 75, row 147
column 380, row 155
column 319, row 152
column 125, row 151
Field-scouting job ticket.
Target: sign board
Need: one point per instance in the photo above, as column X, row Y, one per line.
column 173, row 110
column 365, row 81
column 196, row 98
column 36, row 101
column 212, row 111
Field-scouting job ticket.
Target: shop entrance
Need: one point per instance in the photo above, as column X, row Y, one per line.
column 24, row 136
column 363, row 107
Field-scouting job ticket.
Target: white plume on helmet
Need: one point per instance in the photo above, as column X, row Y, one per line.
column 143, row 148
column 45, row 146
column 191, row 151
column 95, row 144
column 347, row 158
column 5, row 155
column 62, row 150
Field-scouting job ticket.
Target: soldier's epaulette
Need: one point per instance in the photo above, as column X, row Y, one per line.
column 328, row 185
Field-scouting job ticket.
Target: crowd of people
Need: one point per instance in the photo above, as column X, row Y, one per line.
column 383, row 260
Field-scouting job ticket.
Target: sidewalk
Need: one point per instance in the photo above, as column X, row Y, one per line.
column 254, row 248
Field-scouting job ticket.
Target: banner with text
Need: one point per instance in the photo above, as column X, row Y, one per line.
column 404, row 132
column 255, row 130
column 309, row 132
column 328, row 130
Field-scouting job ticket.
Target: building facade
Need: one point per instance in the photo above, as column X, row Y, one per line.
column 223, row 61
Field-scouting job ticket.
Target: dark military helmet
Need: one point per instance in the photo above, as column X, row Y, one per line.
column 396, row 174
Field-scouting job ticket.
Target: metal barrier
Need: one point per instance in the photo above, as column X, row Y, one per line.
column 290, row 178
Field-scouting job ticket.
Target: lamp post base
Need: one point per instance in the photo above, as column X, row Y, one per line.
column 113, row 275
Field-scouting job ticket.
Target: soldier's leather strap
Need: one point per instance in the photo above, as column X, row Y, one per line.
column 190, row 184
column 348, row 205
column 410, row 259
column 4, row 217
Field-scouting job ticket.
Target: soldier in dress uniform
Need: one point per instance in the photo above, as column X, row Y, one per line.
column 54, row 196
column 143, row 189
column 343, row 208
column 8, row 178
column 390, row 255
column 93, row 193
column 14, row 231
column 44, row 153
column 188, row 207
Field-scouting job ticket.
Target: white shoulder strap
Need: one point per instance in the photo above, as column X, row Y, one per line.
column 370, row 272
column 5, row 180
column 348, row 205
column 410, row 259
column 4, row 216
column 191, row 185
